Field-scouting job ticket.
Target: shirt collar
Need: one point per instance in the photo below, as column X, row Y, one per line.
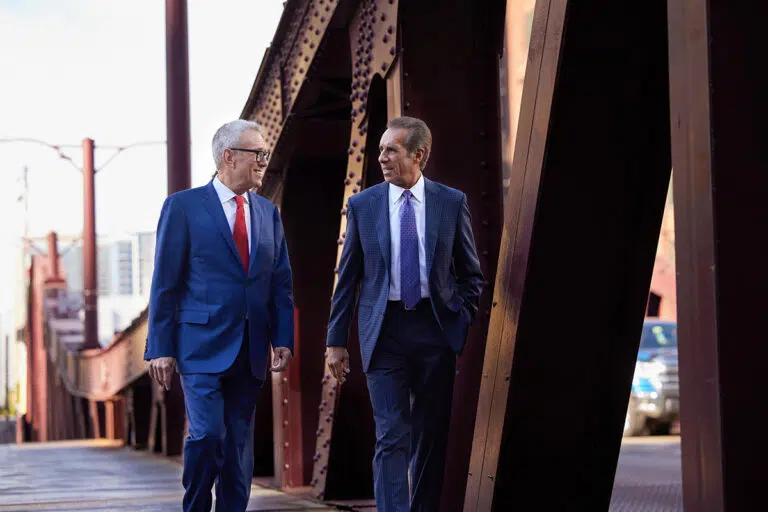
column 224, row 193
column 395, row 192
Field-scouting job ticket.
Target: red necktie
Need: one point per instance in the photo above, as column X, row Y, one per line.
column 240, row 233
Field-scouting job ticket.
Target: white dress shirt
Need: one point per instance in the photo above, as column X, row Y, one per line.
column 227, row 198
column 396, row 202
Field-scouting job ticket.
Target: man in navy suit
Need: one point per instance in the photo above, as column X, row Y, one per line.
column 410, row 254
column 221, row 296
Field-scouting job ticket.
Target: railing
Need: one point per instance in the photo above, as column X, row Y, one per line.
column 100, row 374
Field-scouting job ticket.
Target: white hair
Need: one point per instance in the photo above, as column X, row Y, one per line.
column 229, row 136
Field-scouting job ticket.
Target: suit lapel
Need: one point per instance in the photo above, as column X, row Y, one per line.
column 256, row 221
column 381, row 211
column 434, row 209
column 216, row 211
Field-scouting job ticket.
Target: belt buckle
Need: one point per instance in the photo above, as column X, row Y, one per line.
column 406, row 308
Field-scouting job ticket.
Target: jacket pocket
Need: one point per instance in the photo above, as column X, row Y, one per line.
column 188, row 316
column 455, row 303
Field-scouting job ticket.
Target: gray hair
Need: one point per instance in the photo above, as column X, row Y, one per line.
column 419, row 136
column 229, row 135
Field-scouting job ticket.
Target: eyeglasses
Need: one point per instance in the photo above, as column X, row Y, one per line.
column 261, row 154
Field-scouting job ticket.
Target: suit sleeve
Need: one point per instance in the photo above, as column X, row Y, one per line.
column 350, row 269
column 469, row 276
column 171, row 250
column 282, row 290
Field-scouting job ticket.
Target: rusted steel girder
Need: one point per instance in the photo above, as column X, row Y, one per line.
column 287, row 67
column 583, row 213
column 344, row 426
column 719, row 116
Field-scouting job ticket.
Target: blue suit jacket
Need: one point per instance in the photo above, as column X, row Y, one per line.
column 201, row 295
column 453, row 269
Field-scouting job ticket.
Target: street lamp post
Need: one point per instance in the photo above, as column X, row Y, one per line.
column 90, row 280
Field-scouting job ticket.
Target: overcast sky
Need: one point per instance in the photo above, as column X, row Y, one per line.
column 71, row 69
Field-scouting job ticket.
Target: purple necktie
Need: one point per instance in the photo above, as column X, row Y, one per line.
column 410, row 284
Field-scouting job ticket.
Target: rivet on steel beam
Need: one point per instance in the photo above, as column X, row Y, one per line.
column 285, row 444
column 340, row 241
column 407, row 105
column 285, row 401
column 285, row 423
column 392, row 51
column 359, row 182
column 383, row 17
column 384, row 66
column 390, row 29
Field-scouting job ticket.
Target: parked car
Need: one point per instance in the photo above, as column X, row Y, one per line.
column 654, row 402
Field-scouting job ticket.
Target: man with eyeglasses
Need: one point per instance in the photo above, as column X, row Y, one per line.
column 221, row 296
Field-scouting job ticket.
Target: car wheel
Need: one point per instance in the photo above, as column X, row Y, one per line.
column 634, row 423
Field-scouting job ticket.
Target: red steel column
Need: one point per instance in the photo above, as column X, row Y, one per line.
column 179, row 178
column 177, row 95
column 90, row 286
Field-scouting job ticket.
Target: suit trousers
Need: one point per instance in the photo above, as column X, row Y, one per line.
column 219, row 447
column 410, row 382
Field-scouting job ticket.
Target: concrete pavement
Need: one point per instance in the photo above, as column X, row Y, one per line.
column 103, row 476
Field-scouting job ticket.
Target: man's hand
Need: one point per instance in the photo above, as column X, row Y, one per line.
column 338, row 362
column 281, row 356
column 161, row 370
